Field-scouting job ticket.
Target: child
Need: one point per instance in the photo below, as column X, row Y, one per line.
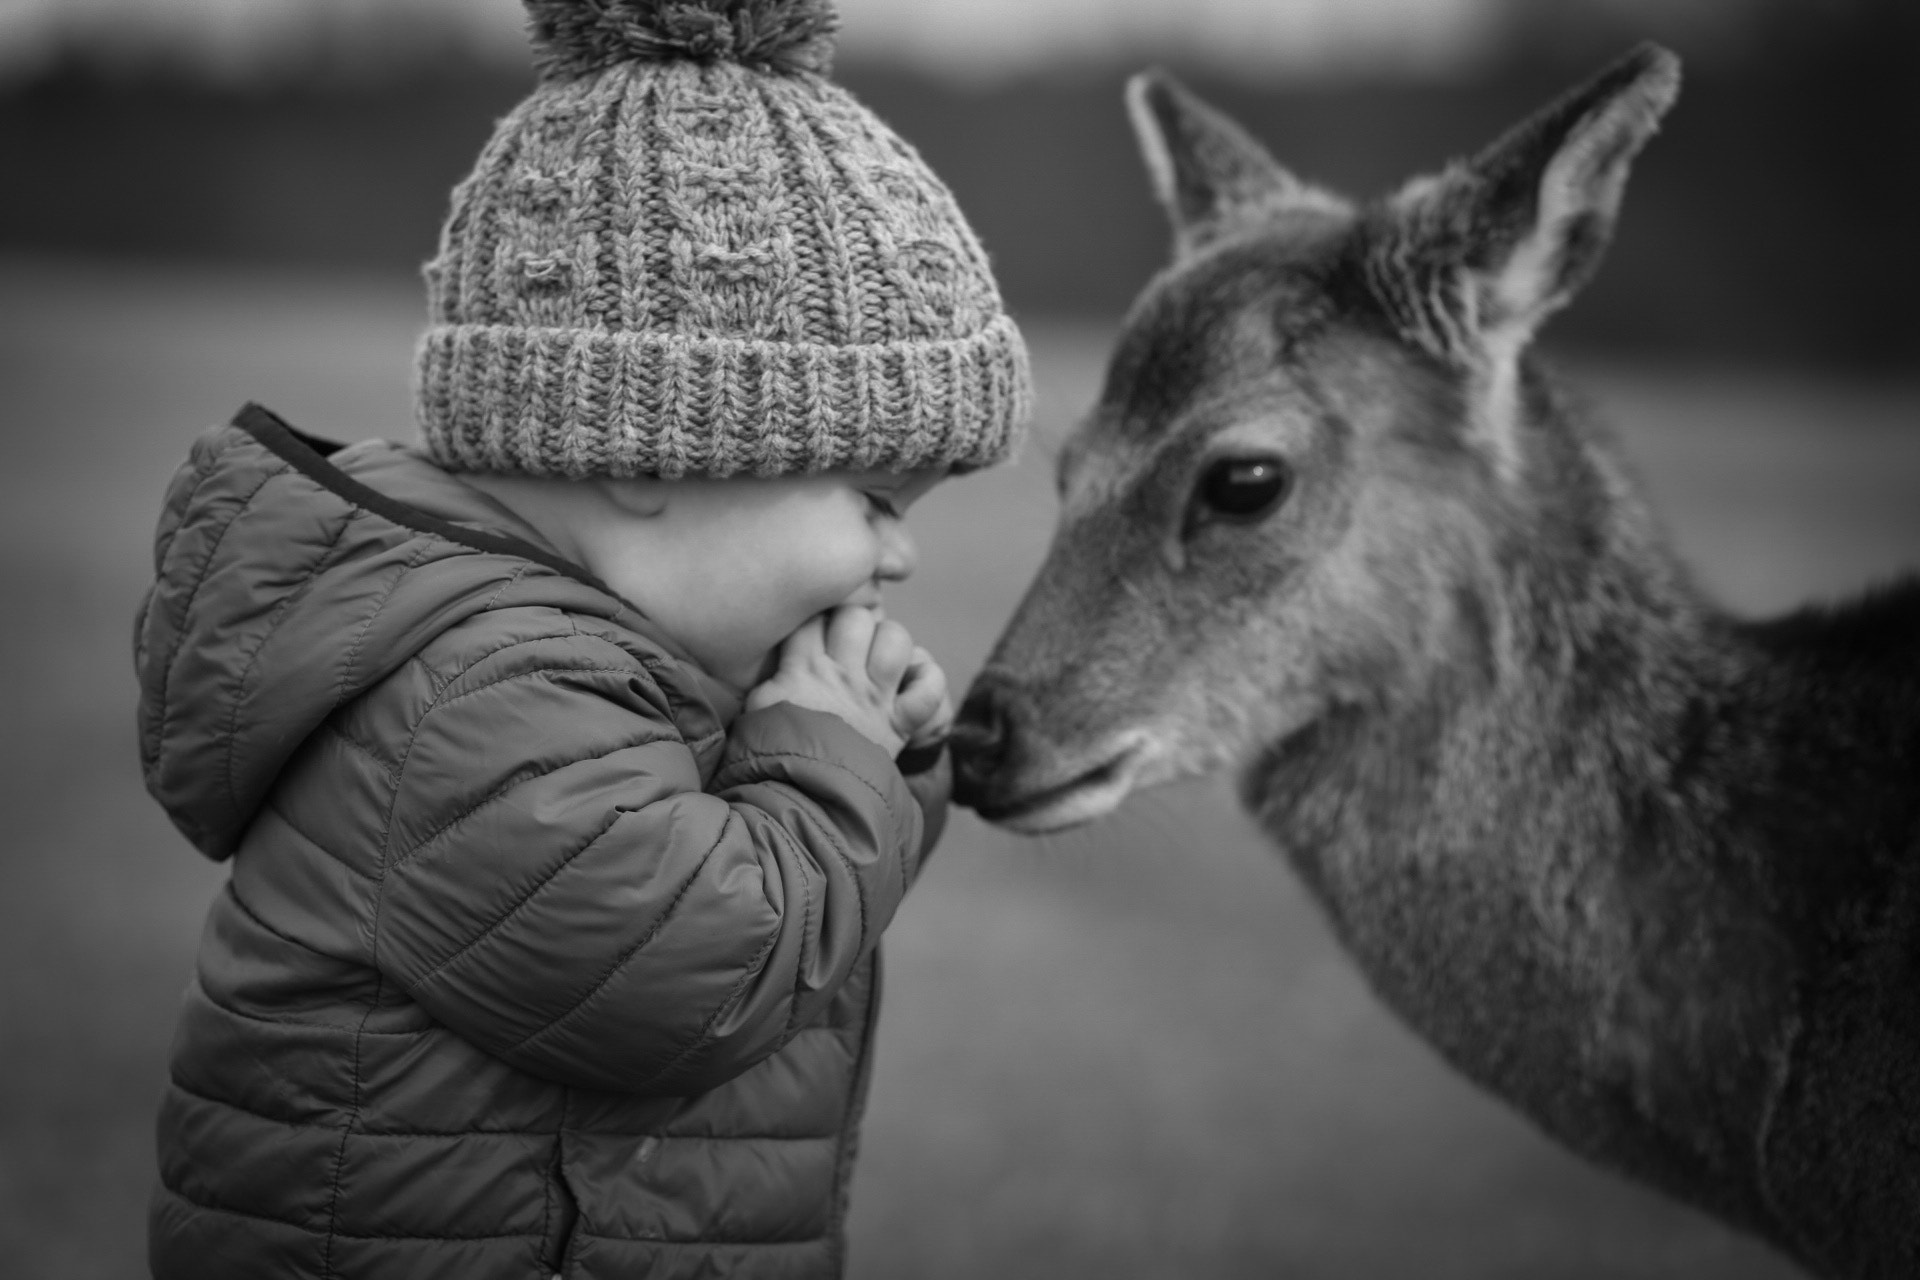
column 557, row 761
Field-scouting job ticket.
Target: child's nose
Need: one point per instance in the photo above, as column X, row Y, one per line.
column 898, row 556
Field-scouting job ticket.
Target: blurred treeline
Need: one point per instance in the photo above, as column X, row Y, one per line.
column 1775, row 220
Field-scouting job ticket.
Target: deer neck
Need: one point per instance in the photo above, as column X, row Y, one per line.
column 1507, row 838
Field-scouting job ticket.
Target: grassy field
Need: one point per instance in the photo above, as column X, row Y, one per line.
column 1130, row 1051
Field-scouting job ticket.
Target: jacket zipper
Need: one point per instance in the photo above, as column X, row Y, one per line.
column 561, row 1241
column 850, row 1130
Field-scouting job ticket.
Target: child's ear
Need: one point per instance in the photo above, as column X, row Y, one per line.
column 644, row 496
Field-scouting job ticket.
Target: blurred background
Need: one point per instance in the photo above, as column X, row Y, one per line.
column 1129, row 1051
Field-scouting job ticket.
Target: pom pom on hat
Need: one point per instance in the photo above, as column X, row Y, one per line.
column 579, row 37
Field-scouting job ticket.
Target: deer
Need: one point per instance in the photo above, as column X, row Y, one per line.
column 1646, row 871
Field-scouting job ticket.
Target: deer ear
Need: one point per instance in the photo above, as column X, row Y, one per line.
column 1509, row 237
column 1206, row 170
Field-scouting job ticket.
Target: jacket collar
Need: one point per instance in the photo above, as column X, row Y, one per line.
column 401, row 486
column 311, row 456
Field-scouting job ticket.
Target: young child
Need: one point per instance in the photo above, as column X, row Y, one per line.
column 568, row 767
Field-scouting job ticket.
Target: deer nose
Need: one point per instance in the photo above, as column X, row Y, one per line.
column 981, row 736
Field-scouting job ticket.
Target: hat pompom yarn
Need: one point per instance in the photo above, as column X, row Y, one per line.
column 574, row 38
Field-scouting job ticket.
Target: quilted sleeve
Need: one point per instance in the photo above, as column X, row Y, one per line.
column 932, row 789
column 561, row 891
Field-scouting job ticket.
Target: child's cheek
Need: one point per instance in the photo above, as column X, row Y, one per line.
column 811, row 573
column 836, row 571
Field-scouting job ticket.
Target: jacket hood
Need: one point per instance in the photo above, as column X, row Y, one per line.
column 291, row 575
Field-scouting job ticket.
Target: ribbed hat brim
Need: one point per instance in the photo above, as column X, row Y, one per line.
column 581, row 402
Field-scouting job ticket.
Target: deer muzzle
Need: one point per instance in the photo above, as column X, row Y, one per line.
column 1011, row 773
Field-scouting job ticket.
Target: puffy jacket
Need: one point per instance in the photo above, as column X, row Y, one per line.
column 536, row 956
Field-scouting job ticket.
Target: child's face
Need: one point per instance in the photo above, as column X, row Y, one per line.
column 730, row 568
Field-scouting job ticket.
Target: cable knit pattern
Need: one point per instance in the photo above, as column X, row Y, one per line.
column 701, row 268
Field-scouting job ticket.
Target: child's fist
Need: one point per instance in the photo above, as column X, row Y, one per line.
column 923, row 711
column 848, row 662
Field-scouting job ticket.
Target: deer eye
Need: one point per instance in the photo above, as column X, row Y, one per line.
column 1243, row 489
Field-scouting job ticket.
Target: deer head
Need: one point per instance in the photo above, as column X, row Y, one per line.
column 1316, row 430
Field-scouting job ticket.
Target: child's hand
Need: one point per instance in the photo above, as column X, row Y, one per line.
column 923, row 711
column 849, row 662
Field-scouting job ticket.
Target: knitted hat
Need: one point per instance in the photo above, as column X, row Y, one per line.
column 688, row 253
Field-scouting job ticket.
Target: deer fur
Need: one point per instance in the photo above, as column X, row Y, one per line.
column 1647, row 871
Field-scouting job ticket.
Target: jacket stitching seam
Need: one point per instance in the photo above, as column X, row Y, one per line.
column 405, row 856
column 282, row 609
column 557, row 1181
column 186, row 608
column 846, row 859
column 541, row 673
column 366, row 749
column 494, row 599
column 703, row 1038
column 523, row 900
column 462, row 1134
column 621, row 961
column 373, row 957
column 386, row 837
column 269, row 1118
column 346, row 1132
column 274, row 808
column 203, row 473
column 399, row 776
column 856, row 1100
column 247, row 910
column 163, row 548
column 546, row 1186
column 446, row 682
column 413, row 562
column 330, row 1233
column 693, row 1241
column 651, row 664
column 435, row 677
column 743, row 757
column 400, row 773
column 807, row 935
column 342, row 1028
column 511, row 1235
